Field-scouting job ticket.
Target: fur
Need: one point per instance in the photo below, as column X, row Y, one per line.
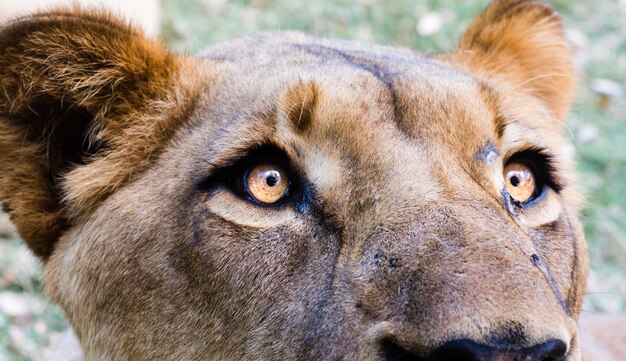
column 396, row 241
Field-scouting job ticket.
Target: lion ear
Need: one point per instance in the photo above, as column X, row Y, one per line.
column 523, row 41
column 77, row 88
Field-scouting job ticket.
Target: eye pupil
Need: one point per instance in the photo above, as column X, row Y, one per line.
column 271, row 181
column 515, row 181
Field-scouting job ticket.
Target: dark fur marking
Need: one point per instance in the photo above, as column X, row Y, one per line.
column 574, row 275
column 547, row 273
column 490, row 97
column 376, row 70
column 300, row 102
column 510, row 333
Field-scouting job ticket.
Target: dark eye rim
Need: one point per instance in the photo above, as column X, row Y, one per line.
column 541, row 164
column 232, row 176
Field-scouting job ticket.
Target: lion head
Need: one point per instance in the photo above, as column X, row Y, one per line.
column 287, row 197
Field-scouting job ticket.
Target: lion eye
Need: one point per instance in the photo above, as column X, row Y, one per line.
column 520, row 181
column 266, row 183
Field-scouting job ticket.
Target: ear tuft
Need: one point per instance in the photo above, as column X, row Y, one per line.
column 523, row 41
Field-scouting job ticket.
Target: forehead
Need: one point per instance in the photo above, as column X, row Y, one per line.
column 381, row 91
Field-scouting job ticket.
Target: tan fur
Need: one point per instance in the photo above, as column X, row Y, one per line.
column 396, row 238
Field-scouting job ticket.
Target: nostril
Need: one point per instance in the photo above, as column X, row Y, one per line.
column 467, row 350
column 461, row 350
column 552, row 350
column 391, row 351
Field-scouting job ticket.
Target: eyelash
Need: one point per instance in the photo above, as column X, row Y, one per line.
column 542, row 164
column 232, row 176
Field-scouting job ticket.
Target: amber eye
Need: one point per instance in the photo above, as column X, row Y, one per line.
column 519, row 181
column 267, row 183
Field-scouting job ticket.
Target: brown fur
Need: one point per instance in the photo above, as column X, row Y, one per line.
column 396, row 240
column 110, row 87
column 497, row 42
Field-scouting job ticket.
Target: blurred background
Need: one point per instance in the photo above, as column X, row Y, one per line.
column 597, row 124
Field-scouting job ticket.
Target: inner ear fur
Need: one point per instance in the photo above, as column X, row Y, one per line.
column 524, row 42
column 85, row 100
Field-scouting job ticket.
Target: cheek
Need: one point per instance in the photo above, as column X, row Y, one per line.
column 57, row 276
column 256, row 270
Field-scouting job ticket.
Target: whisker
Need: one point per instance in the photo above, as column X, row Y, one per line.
column 591, row 312
column 564, row 125
column 544, row 76
column 601, row 293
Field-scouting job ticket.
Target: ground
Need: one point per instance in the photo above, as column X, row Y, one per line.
column 597, row 124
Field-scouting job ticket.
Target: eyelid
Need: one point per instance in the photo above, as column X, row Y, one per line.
column 542, row 162
column 230, row 174
column 223, row 161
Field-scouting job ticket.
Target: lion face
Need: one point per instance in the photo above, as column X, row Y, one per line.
column 288, row 197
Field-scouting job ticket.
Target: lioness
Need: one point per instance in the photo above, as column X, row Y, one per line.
column 285, row 197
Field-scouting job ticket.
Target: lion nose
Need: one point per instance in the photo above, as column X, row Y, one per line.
column 466, row 350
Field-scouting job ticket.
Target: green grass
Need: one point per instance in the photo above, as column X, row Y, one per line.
column 599, row 31
column 25, row 337
column 190, row 25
